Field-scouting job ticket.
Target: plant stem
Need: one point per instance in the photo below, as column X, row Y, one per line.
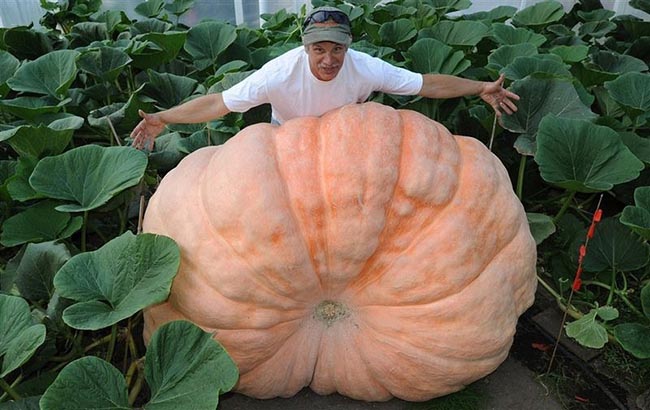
column 618, row 293
column 84, row 230
column 10, row 390
column 494, row 128
column 565, row 206
column 111, row 343
column 138, row 383
column 520, row 177
column 612, row 288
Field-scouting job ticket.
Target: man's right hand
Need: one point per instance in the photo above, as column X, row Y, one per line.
column 147, row 130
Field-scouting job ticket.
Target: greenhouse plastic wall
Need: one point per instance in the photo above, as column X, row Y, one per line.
column 23, row 12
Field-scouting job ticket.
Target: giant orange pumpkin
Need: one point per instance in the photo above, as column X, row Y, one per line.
column 368, row 252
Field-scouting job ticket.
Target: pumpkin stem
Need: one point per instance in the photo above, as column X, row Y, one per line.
column 330, row 311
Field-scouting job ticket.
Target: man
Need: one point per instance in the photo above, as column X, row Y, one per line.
column 323, row 75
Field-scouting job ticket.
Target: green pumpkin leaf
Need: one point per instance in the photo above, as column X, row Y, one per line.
column 632, row 90
column 541, row 97
column 638, row 217
column 114, row 282
column 168, row 44
column 634, row 337
column 181, row 358
column 499, row 14
column 41, row 141
column 615, row 247
column 179, row 7
column 87, row 383
column 580, row 156
column 29, row 403
column 639, row 146
column 596, row 29
column 105, row 62
column 397, row 31
column 645, row 300
column 122, row 116
column 39, row 223
column 588, row 331
column 35, row 273
column 19, row 336
column 206, row 41
column 168, row 89
column 571, row 54
column 505, row 55
column 89, row 176
column 150, row 8
column 429, row 55
column 457, row 33
column 539, row 14
column 51, row 74
column 505, row 34
column 184, row 367
column 541, row 226
column 30, row 108
column 548, row 64
column 8, row 66
column 447, row 6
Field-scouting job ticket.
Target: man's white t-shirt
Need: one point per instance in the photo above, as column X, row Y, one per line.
column 288, row 84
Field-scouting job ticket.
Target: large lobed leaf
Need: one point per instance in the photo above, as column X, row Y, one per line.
column 51, row 74
column 114, row 282
column 19, row 336
column 580, row 156
column 89, row 176
column 184, row 367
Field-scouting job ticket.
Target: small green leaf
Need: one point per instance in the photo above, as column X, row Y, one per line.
column 638, row 217
column 583, row 157
column 541, row 226
column 185, row 365
column 114, row 282
column 634, row 337
column 39, row 264
column 19, row 337
column 645, row 300
column 89, row 176
column 588, row 331
column 87, row 383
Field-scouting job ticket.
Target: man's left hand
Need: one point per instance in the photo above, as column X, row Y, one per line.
column 501, row 100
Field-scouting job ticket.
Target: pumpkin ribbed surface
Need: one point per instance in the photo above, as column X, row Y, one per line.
column 368, row 252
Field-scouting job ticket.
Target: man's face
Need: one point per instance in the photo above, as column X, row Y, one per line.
column 326, row 59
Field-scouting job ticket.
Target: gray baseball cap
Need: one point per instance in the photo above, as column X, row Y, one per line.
column 339, row 33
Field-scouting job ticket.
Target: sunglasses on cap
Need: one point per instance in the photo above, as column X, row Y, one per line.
column 325, row 15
